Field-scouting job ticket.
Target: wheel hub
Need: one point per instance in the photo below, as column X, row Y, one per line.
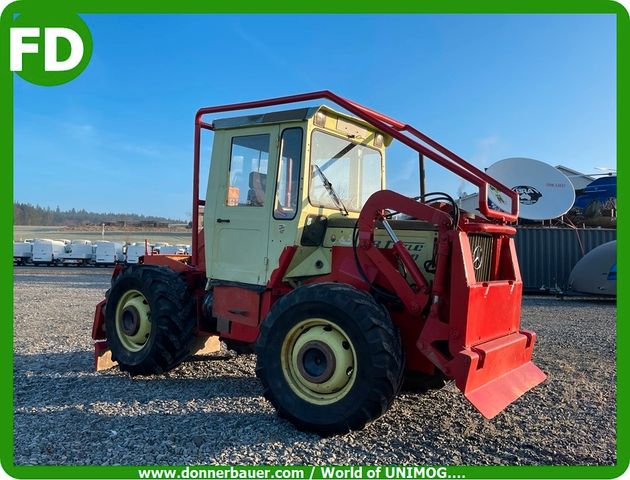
column 318, row 361
column 133, row 320
column 130, row 321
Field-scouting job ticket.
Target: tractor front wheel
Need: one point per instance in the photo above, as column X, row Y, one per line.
column 149, row 320
column 329, row 358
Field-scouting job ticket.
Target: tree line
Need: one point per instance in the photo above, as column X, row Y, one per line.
column 27, row 214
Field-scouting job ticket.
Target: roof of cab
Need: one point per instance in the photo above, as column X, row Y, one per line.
column 284, row 116
column 294, row 115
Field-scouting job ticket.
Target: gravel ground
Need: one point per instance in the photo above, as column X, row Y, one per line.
column 213, row 412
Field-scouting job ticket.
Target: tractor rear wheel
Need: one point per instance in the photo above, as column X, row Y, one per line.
column 329, row 358
column 149, row 319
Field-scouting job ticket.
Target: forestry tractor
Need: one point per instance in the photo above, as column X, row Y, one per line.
column 344, row 288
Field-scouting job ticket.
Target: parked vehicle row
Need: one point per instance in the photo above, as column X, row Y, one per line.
column 48, row 252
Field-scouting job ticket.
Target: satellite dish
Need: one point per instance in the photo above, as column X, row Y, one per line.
column 544, row 192
column 596, row 272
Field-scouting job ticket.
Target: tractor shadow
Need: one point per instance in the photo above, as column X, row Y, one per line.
column 131, row 439
column 57, row 379
column 61, row 402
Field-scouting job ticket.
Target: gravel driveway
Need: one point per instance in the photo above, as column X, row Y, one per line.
column 213, row 411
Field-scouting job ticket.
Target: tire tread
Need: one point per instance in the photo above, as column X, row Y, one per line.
column 381, row 334
column 172, row 309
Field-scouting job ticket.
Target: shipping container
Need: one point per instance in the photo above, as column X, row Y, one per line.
column 546, row 255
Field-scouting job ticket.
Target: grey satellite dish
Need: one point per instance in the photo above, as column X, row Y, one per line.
column 596, row 272
column 544, row 192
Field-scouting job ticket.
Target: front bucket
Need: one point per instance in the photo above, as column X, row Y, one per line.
column 495, row 373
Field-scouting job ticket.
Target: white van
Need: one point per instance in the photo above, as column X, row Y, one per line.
column 22, row 253
column 173, row 250
column 135, row 251
column 109, row 253
column 47, row 252
column 77, row 252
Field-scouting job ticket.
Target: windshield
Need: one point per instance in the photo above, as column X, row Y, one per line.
column 353, row 170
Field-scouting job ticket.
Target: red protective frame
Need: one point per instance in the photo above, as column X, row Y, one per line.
column 396, row 129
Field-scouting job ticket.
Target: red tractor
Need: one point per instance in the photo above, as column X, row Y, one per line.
column 344, row 287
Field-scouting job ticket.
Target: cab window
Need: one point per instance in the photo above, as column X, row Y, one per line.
column 288, row 174
column 353, row 171
column 248, row 171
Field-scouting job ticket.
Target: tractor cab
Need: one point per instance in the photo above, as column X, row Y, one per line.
column 277, row 179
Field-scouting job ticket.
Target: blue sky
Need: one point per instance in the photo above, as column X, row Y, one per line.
column 119, row 137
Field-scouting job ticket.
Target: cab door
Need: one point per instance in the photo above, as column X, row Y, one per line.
column 244, row 207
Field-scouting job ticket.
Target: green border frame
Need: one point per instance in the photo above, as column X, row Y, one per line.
column 321, row 6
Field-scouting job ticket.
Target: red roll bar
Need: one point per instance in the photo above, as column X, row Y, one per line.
column 398, row 130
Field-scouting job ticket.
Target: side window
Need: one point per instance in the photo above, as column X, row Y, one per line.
column 371, row 178
column 285, row 206
column 248, row 171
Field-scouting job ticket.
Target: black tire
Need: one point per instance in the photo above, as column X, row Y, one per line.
column 172, row 319
column 375, row 342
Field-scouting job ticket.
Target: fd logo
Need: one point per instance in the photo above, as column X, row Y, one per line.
column 51, row 37
column 527, row 195
column 48, row 48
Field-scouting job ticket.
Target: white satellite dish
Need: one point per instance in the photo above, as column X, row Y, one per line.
column 544, row 191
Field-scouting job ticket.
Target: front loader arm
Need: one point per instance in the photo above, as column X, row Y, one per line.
column 471, row 331
column 415, row 299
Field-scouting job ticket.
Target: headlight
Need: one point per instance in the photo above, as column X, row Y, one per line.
column 320, row 119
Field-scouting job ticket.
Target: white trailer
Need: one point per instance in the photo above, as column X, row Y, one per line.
column 109, row 253
column 135, row 251
column 77, row 252
column 47, row 251
column 22, row 253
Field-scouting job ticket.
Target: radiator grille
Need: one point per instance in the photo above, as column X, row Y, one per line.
column 481, row 249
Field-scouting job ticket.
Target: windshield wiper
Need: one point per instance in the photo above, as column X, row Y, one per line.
column 331, row 191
